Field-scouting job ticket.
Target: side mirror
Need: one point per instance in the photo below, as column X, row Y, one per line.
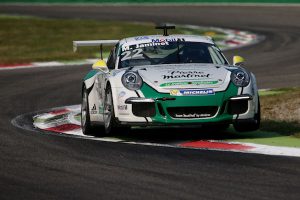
column 238, row 60
column 101, row 65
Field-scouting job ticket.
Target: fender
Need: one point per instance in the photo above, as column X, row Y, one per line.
column 89, row 79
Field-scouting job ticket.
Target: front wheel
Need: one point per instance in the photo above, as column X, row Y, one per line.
column 110, row 122
column 86, row 126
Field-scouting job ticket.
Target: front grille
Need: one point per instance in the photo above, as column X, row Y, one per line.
column 192, row 112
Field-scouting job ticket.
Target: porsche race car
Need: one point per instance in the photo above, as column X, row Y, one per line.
column 167, row 80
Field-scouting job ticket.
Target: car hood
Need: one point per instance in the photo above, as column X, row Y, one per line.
column 176, row 76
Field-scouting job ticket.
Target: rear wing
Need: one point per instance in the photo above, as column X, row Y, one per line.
column 90, row 43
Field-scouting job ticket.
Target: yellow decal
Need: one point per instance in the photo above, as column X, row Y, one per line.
column 174, row 92
column 238, row 60
column 100, row 64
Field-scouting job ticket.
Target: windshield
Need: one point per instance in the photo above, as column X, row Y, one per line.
column 169, row 53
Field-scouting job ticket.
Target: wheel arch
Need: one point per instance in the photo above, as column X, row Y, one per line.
column 110, row 84
column 82, row 89
column 255, row 91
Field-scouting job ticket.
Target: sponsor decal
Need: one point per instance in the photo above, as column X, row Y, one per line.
column 151, row 44
column 192, row 92
column 174, row 92
column 192, row 115
column 125, row 48
column 188, row 83
column 185, row 74
column 115, row 72
column 121, row 94
column 122, row 107
column 154, row 42
column 141, row 38
column 162, row 40
column 142, row 45
column 94, row 110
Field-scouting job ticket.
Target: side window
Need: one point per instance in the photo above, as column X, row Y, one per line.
column 111, row 61
column 216, row 55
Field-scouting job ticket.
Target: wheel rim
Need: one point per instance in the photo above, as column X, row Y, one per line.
column 107, row 110
column 83, row 109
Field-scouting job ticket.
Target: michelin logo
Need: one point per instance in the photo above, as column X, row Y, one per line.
column 192, row 92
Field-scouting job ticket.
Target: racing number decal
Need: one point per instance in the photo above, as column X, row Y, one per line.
column 128, row 54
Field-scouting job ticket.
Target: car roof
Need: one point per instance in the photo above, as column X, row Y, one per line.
column 160, row 38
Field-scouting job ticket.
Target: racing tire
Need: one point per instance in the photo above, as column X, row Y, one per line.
column 251, row 125
column 111, row 125
column 86, row 125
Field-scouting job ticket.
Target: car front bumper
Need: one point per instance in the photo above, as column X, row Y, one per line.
column 163, row 109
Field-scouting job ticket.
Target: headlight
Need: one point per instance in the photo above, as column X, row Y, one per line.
column 240, row 78
column 132, row 80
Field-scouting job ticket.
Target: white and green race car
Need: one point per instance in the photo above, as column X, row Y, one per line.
column 170, row 80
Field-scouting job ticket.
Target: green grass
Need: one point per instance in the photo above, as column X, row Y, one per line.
column 27, row 39
column 277, row 128
column 34, row 39
column 264, row 137
column 280, row 125
column 277, row 91
column 281, row 111
column 152, row 1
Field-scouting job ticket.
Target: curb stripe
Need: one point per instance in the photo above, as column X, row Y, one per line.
column 59, row 112
column 216, row 145
column 64, row 128
column 17, row 65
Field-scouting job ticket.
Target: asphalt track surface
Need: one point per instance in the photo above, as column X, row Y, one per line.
column 41, row 166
